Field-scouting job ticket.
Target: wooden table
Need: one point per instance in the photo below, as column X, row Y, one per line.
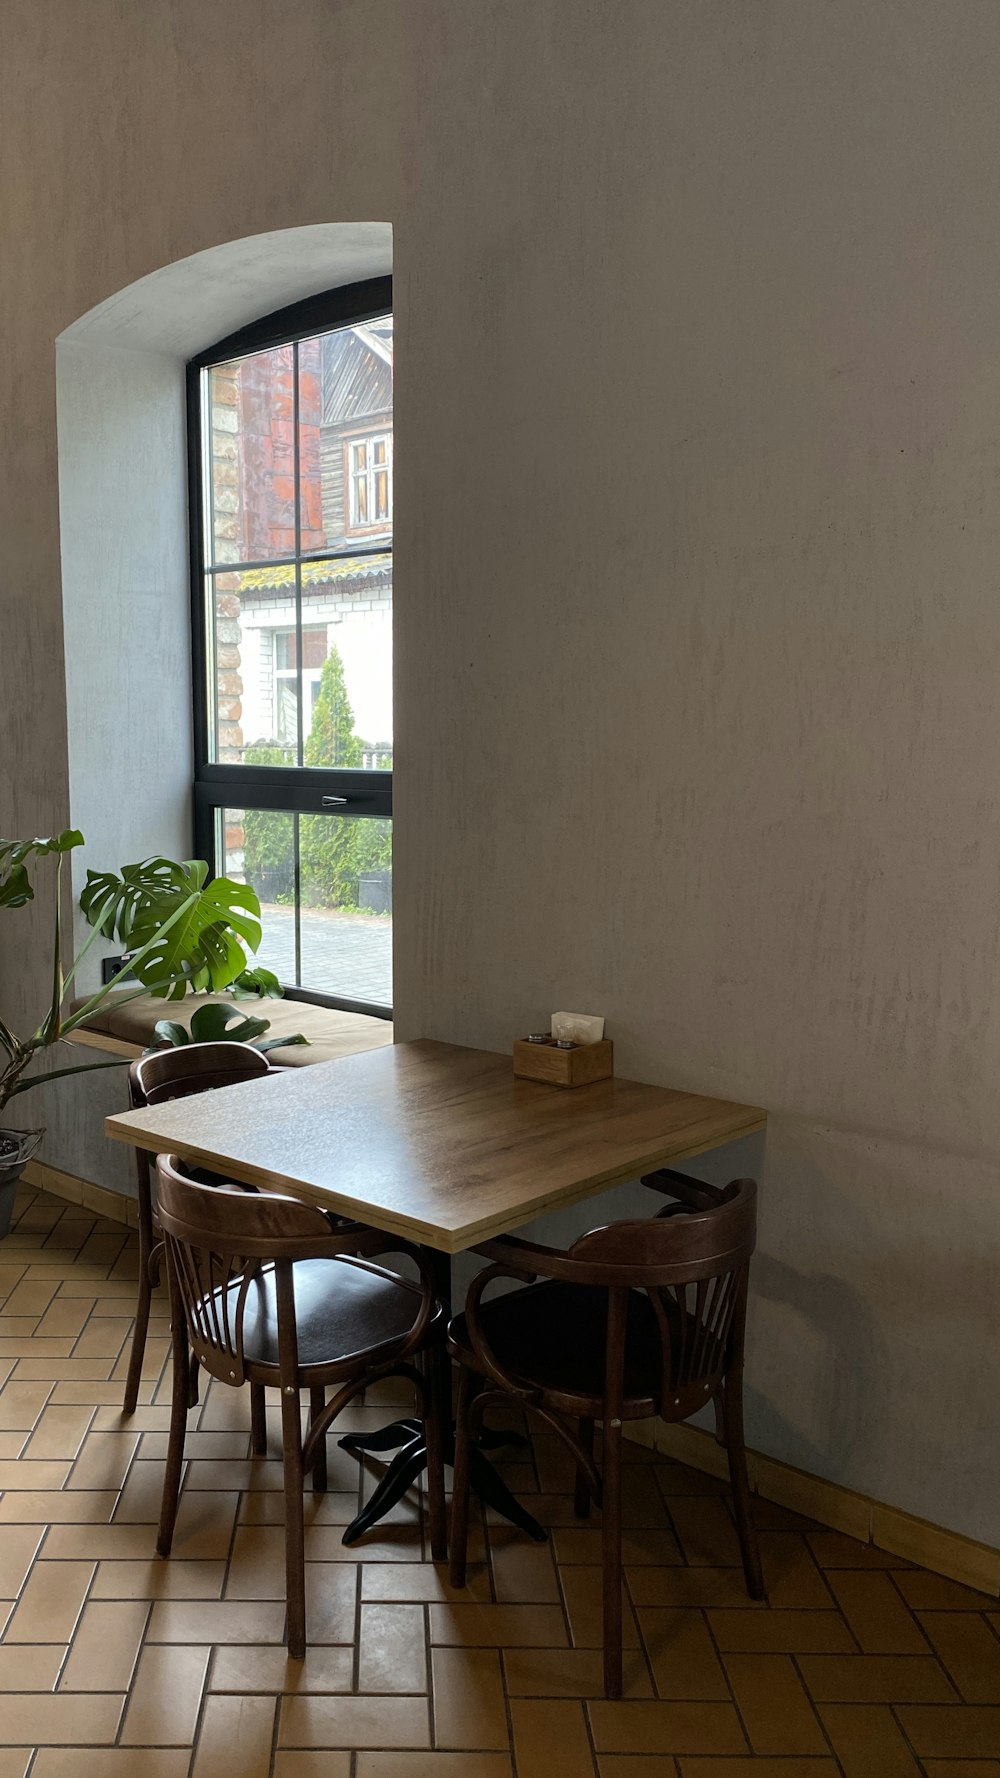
column 438, row 1144
column 435, row 1142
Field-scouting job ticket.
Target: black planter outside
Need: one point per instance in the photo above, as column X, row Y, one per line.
column 16, row 1149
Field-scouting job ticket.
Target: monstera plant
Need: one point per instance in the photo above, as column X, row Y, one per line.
column 217, row 1023
column 181, row 931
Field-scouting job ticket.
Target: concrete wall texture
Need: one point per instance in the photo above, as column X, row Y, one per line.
column 697, row 635
column 126, row 607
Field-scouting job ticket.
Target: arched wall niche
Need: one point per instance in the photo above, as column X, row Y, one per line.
column 120, row 391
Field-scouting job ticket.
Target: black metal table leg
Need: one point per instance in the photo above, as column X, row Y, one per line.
column 406, row 1438
column 388, row 1438
column 402, row 1472
column 494, row 1492
column 407, row 1464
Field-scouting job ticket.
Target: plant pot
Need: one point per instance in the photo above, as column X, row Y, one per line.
column 16, row 1149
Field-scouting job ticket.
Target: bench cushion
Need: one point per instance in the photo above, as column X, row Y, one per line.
column 330, row 1033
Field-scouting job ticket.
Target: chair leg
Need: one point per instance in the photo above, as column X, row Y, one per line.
column 258, row 1420
column 317, row 1402
column 436, row 1384
column 611, row 1549
column 581, row 1492
column 732, row 1414
column 295, row 1567
column 145, row 1296
column 460, row 1485
column 175, row 1444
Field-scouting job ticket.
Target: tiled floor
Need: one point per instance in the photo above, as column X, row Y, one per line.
column 113, row 1663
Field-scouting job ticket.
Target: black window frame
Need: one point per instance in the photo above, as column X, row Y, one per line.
column 295, row 789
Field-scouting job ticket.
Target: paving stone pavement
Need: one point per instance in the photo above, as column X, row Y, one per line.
column 114, row 1663
column 345, row 954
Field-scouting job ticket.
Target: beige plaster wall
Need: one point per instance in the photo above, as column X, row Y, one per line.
column 697, row 534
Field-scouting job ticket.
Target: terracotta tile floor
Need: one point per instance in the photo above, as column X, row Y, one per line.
column 113, row 1663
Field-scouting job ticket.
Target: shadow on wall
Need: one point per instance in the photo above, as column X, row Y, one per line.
column 831, row 1321
column 874, row 1329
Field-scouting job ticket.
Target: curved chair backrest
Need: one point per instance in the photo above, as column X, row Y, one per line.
column 710, row 1241
column 234, row 1222
column 694, row 1270
column 192, row 1068
column 218, row 1239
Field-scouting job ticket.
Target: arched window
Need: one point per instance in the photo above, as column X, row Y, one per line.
column 291, row 464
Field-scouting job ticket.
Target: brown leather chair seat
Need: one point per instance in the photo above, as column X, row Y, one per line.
column 343, row 1308
column 555, row 1335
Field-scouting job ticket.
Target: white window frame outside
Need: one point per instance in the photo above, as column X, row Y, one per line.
column 368, row 475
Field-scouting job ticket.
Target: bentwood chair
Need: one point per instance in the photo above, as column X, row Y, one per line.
column 174, row 1074
column 264, row 1292
column 635, row 1319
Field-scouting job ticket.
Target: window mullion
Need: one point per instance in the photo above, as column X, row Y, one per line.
column 298, row 900
column 210, row 605
column 300, row 707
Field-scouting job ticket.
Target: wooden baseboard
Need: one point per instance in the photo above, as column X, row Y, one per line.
column 113, row 1205
column 871, row 1521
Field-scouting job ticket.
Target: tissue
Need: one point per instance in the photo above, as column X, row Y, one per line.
column 580, row 1027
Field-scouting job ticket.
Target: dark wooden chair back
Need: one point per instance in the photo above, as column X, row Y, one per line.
column 192, row 1068
column 693, row 1267
column 175, row 1074
column 694, row 1270
column 218, row 1240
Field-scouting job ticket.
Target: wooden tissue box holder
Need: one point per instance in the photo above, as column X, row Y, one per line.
column 564, row 1068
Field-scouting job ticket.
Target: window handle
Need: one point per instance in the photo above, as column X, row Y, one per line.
column 331, row 802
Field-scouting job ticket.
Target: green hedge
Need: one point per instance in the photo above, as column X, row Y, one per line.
column 334, row 851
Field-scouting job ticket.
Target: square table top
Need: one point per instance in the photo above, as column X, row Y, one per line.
column 433, row 1141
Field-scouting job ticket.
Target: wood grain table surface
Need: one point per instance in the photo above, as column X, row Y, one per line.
column 434, row 1141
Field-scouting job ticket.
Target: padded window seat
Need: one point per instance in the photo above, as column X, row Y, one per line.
column 124, row 1026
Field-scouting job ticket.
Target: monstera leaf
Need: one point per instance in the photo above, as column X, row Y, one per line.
column 15, row 884
column 200, row 947
column 215, row 1024
column 257, row 984
column 114, row 901
column 184, row 933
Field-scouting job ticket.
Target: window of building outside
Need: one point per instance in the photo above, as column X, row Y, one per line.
column 291, row 450
column 370, row 481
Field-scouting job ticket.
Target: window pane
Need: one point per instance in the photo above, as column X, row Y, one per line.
column 286, row 728
column 252, row 647
column 338, row 938
column 259, row 849
column 346, row 664
column 348, row 708
column 252, row 457
column 286, row 647
column 346, row 916
column 314, row 645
